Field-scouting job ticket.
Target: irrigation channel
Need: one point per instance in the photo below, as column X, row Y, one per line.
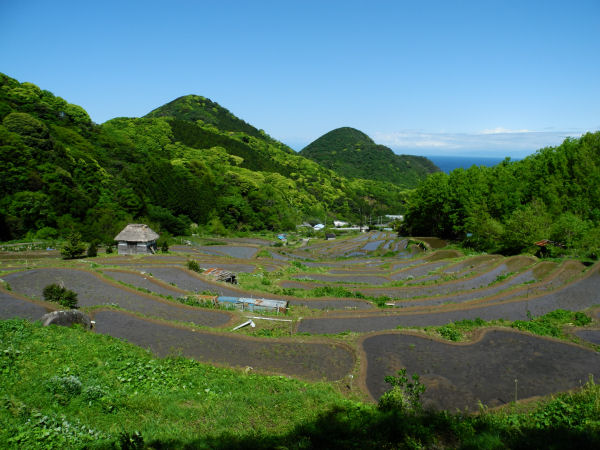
column 347, row 298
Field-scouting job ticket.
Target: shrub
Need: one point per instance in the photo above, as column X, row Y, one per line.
column 92, row 250
column 58, row 294
column 449, row 332
column 164, row 247
column 193, row 265
column 405, row 396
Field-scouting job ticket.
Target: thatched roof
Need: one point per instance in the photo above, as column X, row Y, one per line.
column 137, row 232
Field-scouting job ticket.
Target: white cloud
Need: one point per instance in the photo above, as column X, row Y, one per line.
column 498, row 141
column 501, row 130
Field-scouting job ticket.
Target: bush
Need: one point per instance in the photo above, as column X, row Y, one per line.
column 58, row 294
column 193, row 265
column 404, row 396
column 92, row 250
column 164, row 247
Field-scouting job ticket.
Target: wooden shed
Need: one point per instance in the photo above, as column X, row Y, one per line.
column 135, row 239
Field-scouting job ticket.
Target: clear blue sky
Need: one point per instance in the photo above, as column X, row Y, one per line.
column 489, row 78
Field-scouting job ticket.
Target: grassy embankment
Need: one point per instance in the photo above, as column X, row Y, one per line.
column 64, row 387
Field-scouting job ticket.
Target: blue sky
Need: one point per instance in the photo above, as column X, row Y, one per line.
column 484, row 78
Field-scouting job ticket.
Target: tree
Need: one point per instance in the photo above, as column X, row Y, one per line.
column 74, row 247
column 164, row 247
column 92, row 250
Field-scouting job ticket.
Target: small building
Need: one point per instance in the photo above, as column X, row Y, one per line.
column 339, row 223
column 329, row 236
column 220, row 275
column 318, row 227
column 136, row 239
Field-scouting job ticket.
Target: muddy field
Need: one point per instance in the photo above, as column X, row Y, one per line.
column 93, row 291
column 307, row 360
column 592, row 336
column 460, row 376
column 12, row 307
column 577, row 296
column 427, row 288
column 144, row 281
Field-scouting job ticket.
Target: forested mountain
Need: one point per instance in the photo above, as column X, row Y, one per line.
column 189, row 161
column 352, row 153
column 553, row 194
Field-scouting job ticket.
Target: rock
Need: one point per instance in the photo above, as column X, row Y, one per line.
column 66, row 318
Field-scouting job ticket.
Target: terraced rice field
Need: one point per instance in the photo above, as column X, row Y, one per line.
column 12, row 307
column 369, row 284
column 458, row 376
column 308, row 360
column 93, row 291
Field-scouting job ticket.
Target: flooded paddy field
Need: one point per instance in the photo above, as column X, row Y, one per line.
column 459, row 376
column 13, row 307
column 307, row 360
column 93, row 291
column 369, row 284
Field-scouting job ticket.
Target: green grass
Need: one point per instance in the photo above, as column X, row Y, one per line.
column 121, row 388
column 69, row 388
column 551, row 324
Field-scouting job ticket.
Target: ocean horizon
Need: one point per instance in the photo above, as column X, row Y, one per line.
column 449, row 163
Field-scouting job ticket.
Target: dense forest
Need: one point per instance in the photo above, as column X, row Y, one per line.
column 190, row 161
column 352, row 153
column 553, row 194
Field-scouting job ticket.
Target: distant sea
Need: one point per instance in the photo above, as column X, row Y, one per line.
column 449, row 163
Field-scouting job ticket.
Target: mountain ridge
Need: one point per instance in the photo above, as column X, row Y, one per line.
column 189, row 161
column 352, row 153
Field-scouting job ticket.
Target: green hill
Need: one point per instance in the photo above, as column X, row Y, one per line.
column 352, row 153
column 190, row 161
column 553, row 194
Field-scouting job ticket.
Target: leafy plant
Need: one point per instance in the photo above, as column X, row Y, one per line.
column 405, row 395
column 552, row 323
column 59, row 294
column 193, row 265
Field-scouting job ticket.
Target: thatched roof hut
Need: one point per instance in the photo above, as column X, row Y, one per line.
column 136, row 238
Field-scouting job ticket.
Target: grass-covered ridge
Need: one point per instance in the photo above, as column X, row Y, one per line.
column 70, row 388
column 352, row 153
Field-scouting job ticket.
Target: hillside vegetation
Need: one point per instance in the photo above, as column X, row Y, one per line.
column 190, row 161
column 553, row 194
column 352, row 153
